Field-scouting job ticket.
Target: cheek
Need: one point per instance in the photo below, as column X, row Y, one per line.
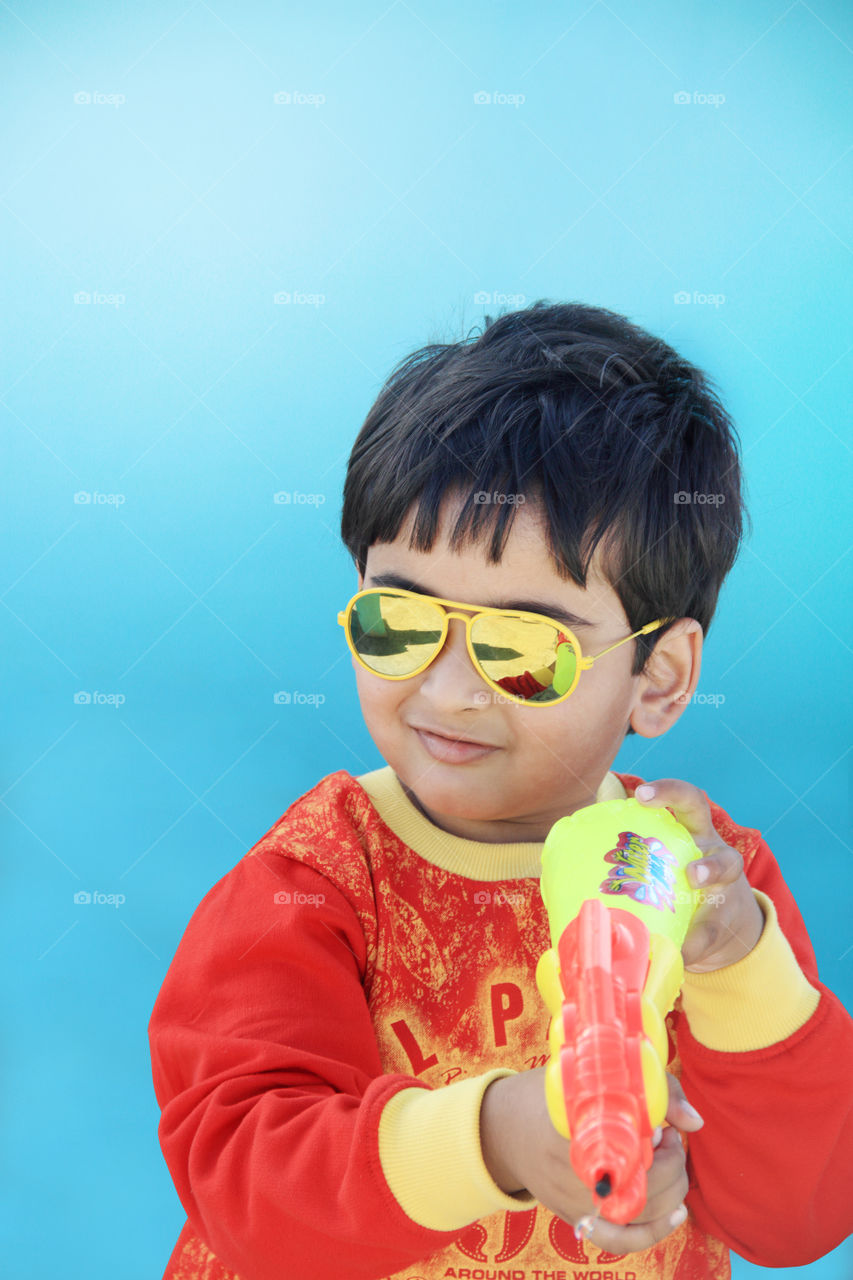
column 589, row 720
column 379, row 699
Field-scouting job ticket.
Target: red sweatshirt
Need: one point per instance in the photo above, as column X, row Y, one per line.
column 342, row 998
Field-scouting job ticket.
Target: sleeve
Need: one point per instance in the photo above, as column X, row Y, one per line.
column 771, row 1171
column 432, row 1157
column 271, row 1089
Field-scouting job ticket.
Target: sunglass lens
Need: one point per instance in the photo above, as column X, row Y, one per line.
column 394, row 635
column 529, row 659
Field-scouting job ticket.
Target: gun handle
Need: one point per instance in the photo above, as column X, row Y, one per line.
column 605, row 1081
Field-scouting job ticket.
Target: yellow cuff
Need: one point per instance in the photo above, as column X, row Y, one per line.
column 429, row 1148
column 759, row 1001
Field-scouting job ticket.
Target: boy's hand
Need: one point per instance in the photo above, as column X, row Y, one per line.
column 728, row 921
column 523, row 1151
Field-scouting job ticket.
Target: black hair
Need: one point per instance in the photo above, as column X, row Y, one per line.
column 617, row 437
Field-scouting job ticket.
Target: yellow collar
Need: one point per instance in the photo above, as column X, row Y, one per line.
column 475, row 859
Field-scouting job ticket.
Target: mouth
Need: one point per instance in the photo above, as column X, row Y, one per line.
column 452, row 750
column 452, row 737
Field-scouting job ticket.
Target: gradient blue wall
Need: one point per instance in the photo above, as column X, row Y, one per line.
column 625, row 155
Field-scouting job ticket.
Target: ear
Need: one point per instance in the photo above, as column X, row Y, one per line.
column 360, row 580
column 671, row 674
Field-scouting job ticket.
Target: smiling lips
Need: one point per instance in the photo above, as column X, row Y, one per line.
column 452, row 750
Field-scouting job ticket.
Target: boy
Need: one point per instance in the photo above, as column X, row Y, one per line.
column 348, row 1045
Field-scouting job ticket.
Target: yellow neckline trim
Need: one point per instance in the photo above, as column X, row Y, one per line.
column 477, row 860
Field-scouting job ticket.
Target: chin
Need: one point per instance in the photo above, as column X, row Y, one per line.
column 456, row 798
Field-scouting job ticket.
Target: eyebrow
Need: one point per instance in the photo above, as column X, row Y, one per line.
column 549, row 608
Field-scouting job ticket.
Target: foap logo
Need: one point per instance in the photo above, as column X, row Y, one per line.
column 284, row 898
column 285, row 298
column 698, row 897
column 485, row 898
column 295, row 98
column 485, row 697
column 483, row 298
column 482, row 496
column 682, row 498
column 695, row 99
column 82, row 298
column 485, row 99
column 85, row 98
column 83, row 698
column 83, row 498
column 702, row 699
column 287, row 698
column 293, row 497
column 95, row 899
column 696, row 298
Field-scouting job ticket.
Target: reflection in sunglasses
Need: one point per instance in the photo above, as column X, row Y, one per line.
column 379, row 638
column 387, row 641
column 528, row 659
column 526, row 686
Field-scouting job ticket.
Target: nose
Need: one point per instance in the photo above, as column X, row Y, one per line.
column 451, row 679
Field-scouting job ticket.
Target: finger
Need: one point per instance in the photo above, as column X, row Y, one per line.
column 667, row 1187
column 722, row 933
column 722, row 867
column 688, row 803
column 679, row 1111
column 634, row 1237
column 667, row 1183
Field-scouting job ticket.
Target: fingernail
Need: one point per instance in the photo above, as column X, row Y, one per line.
column 656, row 1136
column 700, row 874
column 679, row 1216
column 691, row 1111
column 645, row 791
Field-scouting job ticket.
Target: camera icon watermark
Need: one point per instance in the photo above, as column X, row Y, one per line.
column 295, row 98
column 684, row 297
column 484, row 298
column 83, row 98
column 488, row 697
column 83, row 298
column 682, row 498
column 485, row 898
column 293, row 298
column 702, row 699
column 482, row 496
column 699, row 897
column 486, row 99
column 95, row 899
column 684, row 99
column 83, row 498
column 83, row 698
column 288, row 497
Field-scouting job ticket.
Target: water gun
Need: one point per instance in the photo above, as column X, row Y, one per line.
column 619, row 906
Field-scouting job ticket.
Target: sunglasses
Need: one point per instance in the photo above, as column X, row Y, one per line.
column 525, row 657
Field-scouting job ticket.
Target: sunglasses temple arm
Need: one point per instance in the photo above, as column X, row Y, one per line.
column 650, row 626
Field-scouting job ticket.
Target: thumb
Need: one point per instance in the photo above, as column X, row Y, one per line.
column 679, row 1112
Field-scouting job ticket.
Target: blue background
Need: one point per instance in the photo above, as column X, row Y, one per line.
column 386, row 200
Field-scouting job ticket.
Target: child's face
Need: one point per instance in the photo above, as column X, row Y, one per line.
column 544, row 762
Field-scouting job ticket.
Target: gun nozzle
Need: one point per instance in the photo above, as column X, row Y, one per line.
column 603, row 1186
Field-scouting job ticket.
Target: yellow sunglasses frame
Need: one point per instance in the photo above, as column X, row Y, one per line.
column 469, row 617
